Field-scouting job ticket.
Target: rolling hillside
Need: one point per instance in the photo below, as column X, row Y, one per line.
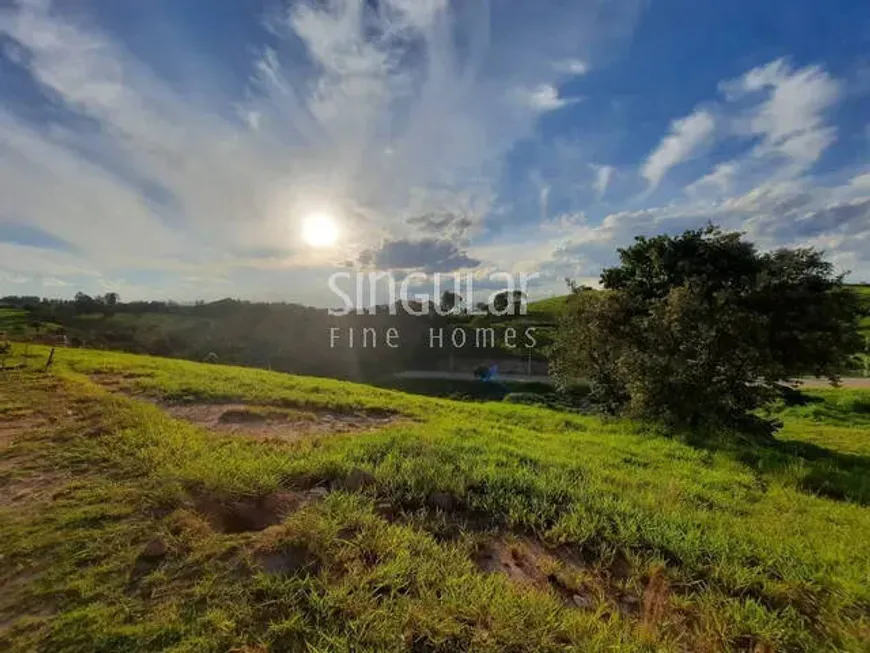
column 162, row 505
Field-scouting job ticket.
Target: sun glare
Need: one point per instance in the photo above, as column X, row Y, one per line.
column 319, row 230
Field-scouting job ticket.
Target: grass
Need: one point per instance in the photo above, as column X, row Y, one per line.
column 763, row 547
column 13, row 320
column 548, row 308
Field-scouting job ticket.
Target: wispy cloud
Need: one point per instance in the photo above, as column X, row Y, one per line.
column 787, row 109
column 603, row 176
column 685, row 139
column 544, row 97
column 389, row 111
column 574, row 67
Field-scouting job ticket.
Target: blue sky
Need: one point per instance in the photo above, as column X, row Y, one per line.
column 181, row 148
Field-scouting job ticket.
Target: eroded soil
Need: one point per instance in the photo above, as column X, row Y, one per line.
column 263, row 422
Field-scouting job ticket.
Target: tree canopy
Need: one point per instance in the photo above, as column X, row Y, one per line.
column 701, row 328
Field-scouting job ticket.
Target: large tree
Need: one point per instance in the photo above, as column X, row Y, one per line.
column 701, row 328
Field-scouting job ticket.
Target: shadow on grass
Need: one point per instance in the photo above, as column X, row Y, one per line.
column 815, row 469
column 810, row 467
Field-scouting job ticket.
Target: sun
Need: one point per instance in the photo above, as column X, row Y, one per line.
column 320, row 230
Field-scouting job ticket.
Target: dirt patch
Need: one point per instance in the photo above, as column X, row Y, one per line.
column 529, row 563
column 263, row 422
column 271, row 423
column 17, row 425
column 289, row 559
column 655, row 601
column 523, row 561
column 112, row 381
column 22, row 481
column 253, row 513
column 846, row 382
column 25, row 489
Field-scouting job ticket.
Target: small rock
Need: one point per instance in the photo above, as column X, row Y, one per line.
column 318, row 492
column 358, row 479
column 154, row 550
column 581, row 601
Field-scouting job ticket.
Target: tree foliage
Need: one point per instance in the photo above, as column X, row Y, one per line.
column 701, row 328
column 450, row 301
column 508, row 302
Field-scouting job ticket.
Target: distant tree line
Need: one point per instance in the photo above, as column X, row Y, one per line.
column 277, row 335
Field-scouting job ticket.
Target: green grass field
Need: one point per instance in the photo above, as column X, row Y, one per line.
column 16, row 322
column 125, row 529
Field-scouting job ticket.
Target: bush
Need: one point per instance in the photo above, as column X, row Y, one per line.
column 700, row 329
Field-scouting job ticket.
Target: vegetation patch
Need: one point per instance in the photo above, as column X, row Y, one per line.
column 599, row 585
column 160, row 536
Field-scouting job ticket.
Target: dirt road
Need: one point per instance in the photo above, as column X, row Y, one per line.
column 846, row 382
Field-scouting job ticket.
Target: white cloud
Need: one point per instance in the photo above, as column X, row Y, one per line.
column 721, row 179
column 787, row 110
column 574, row 67
column 603, row 176
column 544, row 97
column 686, row 137
column 784, row 111
column 860, row 183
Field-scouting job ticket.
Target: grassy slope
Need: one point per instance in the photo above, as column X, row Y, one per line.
column 547, row 308
column 753, row 557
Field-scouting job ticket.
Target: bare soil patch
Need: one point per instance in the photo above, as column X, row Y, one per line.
column 523, row 561
column 15, row 425
column 28, row 487
column 112, row 381
column 288, row 559
column 529, row 563
column 846, row 382
column 22, row 481
column 253, row 513
column 266, row 422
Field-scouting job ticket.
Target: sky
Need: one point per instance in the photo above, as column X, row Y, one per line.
column 199, row 149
